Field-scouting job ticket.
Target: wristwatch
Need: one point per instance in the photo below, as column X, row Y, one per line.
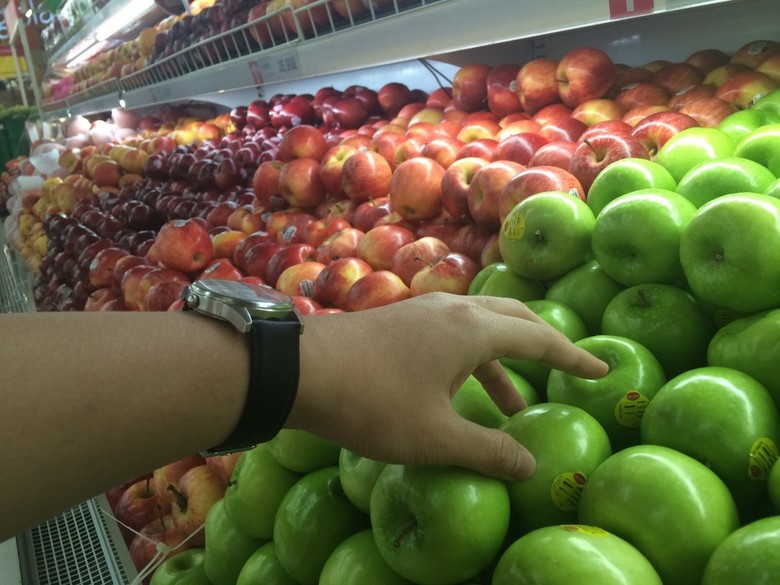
column 274, row 327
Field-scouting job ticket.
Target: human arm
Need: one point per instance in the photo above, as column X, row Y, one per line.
column 93, row 399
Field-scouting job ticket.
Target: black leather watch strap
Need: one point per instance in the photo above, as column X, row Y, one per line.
column 273, row 385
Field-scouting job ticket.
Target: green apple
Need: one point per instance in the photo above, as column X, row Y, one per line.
column 438, row 525
column 358, row 475
column 618, row 399
column 256, row 488
column 227, row 548
column 773, row 483
column 636, row 238
column 184, row 568
column 264, row 567
column 357, row 561
column 562, row 318
column 667, row 320
column 741, row 123
column 730, row 252
column 762, row 145
column 724, row 418
column 473, row 403
column 497, row 280
column 769, row 103
column 587, row 289
column 751, row 344
column 668, row 505
column 773, row 189
column 313, row 518
column 748, row 555
column 302, row 451
column 713, row 178
column 624, row 176
column 546, row 235
column 691, row 146
column 573, row 553
column 568, row 444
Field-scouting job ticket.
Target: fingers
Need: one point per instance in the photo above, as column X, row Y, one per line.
column 528, row 336
column 489, row 451
column 497, row 384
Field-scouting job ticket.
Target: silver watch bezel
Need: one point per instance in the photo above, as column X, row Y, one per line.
column 239, row 303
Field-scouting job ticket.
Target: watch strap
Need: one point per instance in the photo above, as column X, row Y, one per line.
column 273, row 384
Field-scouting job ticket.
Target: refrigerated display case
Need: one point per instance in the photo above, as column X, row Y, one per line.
column 420, row 42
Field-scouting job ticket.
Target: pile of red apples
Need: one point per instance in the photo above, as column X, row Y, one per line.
column 353, row 198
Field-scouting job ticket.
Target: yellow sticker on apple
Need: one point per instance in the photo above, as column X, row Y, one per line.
column 514, row 226
column 630, row 409
column 591, row 530
column 763, row 454
column 566, row 489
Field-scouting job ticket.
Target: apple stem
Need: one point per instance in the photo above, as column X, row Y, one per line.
column 586, row 141
column 406, row 530
column 419, row 259
column 181, row 501
column 643, row 297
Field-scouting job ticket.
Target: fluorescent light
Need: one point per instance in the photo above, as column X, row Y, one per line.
column 87, row 54
column 128, row 14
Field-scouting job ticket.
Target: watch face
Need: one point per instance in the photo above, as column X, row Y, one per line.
column 243, row 292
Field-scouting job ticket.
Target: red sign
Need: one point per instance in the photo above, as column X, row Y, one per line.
column 627, row 8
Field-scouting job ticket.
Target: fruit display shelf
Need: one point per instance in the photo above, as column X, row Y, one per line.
column 231, row 66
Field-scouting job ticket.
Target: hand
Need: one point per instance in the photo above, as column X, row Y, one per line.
column 379, row 382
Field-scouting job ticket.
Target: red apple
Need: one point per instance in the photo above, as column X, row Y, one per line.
column 535, row 180
column 196, row 492
column 635, row 115
column 101, row 268
column 707, row 59
column 376, row 289
column 342, row 244
column 286, row 256
column 183, row 245
column 300, row 184
column 366, row 175
column 563, row 128
column 162, row 295
column 223, row 465
column 641, row 94
column 169, row 474
column 305, row 305
column 265, row 184
column 99, row 298
column 379, row 244
column 481, row 148
column 519, row 148
column 455, row 184
column 415, row 189
column 502, row 95
column 392, row 97
column 144, row 548
column 485, row 189
column 551, row 112
column 317, row 231
column 304, row 141
column 598, row 110
column 332, row 285
column 537, row 86
column 131, row 295
column 443, row 149
column 584, row 74
column 123, row 265
column 245, row 244
column 138, row 506
column 655, row 130
column 689, row 94
column 755, row 52
column 298, row 279
column 592, row 156
column 709, row 111
column 469, row 86
column 451, row 273
column 256, row 258
column 332, row 168
column 413, row 256
column 556, row 153
column 676, row 76
column 745, row 88
column 221, row 269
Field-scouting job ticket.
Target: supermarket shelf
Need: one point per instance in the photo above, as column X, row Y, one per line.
column 234, row 63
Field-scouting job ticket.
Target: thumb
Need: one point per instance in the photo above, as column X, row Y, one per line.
column 489, row 451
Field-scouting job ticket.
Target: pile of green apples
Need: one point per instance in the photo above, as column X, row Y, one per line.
column 664, row 471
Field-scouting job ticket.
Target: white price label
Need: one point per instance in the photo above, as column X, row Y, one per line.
column 279, row 67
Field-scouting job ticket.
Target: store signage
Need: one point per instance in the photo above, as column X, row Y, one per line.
column 627, row 8
column 40, row 18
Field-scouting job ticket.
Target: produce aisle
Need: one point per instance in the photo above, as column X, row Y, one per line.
column 613, row 166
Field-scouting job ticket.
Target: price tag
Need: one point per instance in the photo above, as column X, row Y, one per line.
column 627, row 8
column 279, row 67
